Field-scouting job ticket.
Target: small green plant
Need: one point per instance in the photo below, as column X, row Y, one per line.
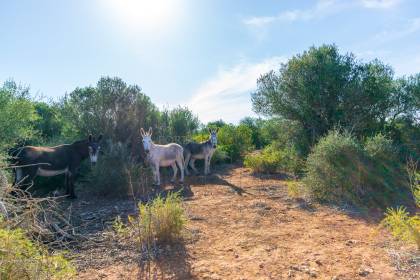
column 398, row 221
column 161, row 220
column 294, row 188
column 21, row 258
column 402, row 225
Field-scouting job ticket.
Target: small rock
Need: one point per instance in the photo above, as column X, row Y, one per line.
column 350, row 242
column 295, row 267
column 313, row 273
column 261, row 265
column 365, row 271
column 236, row 256
column 335, row 278
column 318, row 262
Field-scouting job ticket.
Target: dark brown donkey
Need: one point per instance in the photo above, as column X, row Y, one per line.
column 52, row 161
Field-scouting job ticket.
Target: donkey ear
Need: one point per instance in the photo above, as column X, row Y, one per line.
column 142, row 132
column 217, row 130
column 150, row 131
column 209, row 130
column 99, row 138
column 90, row 138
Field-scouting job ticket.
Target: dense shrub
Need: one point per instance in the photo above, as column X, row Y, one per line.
column 272, row 160
column 235, row 141
column 21, row 258
column 339, row 169
column 116, row 173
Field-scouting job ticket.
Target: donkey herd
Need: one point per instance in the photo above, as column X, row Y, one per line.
column 31, row 161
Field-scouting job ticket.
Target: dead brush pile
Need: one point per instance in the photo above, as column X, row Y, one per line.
column 33, row 231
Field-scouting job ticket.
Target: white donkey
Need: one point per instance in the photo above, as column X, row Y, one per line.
column 171, row 154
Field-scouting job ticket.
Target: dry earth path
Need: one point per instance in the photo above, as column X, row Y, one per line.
column 247, row 227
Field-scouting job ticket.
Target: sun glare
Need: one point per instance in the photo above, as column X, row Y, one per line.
column 145, row 15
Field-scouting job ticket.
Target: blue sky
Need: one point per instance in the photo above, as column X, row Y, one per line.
column 206, row 54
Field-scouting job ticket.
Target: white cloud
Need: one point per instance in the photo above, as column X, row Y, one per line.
column 321, row 9
column 409, row 27
column 380, row 4
column 227, row 95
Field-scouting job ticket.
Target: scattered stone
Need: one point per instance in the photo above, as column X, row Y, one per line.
column 350, row 242
column 318, row 262
column 261, row 265
column 365, row 271
column 313, row 273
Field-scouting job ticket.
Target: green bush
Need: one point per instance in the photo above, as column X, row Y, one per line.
column 116, row 173
column 161, row 220
column 272, row 160
column 380, row 148
column 339, row 169
column 20, row 258
column 235, row 141
column 402, row 225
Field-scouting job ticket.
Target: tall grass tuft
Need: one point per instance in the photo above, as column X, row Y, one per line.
column 398, row 220
column 161, row 220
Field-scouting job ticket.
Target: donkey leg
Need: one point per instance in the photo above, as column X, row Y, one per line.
column 192, row 165
column 157, row 172
column 71, row 185
column 186, row 162
column 175, row 169
column 66, row 183
column 181, row 169
column 206, row 165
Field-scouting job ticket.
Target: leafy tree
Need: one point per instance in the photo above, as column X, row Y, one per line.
column 182, row 122
column 255, row 126
column 216, row 124
column 48, row 123
column 112, row 108
column 17, row 114
column 321, row 89
column 406, row 98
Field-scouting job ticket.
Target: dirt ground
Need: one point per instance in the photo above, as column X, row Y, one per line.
column 243, row 226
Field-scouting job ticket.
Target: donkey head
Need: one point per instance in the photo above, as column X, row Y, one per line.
column 94, row 147
column 147, row 139
column 213, row 137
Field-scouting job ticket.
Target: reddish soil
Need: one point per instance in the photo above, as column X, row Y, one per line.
column 247, row 227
